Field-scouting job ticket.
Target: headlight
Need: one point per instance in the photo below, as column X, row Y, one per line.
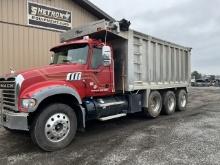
column 28, row 103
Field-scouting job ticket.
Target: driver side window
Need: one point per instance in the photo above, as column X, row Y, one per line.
column 97, row 59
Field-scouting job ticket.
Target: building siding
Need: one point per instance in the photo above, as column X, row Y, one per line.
column 22, row 46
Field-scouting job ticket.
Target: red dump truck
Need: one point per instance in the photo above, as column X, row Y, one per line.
column 99, row 71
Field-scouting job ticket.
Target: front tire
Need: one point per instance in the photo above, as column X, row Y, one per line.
column 55, row 127
column 154, row 104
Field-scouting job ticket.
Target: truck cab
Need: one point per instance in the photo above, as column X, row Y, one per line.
column 92, row 63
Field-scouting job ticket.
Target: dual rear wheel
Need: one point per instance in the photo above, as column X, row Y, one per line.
column 167, row 103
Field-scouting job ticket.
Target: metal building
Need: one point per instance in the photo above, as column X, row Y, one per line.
column 29, row 28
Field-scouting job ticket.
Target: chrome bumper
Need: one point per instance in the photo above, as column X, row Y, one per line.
column 14, row 121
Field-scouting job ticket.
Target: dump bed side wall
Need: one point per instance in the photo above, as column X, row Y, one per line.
column 154, row 63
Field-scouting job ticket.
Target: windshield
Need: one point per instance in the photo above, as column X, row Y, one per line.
column 75, row 54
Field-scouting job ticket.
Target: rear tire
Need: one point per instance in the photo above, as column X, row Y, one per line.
column 154, row 104
column 55, row 127
column 169, row 102
column 182, row 99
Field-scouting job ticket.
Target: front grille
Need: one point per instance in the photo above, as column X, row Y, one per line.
column 7, row 95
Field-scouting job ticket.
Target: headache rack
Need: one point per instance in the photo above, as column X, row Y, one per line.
column 97, row 30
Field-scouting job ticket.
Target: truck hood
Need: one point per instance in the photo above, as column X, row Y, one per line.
column 51, row 72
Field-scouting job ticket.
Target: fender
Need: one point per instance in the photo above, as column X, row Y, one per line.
column 51, row 91
column 60, row 89
column 145, row 97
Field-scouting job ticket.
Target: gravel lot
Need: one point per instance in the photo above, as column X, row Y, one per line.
column 190, row 137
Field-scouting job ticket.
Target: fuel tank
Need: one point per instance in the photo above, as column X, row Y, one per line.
column 103, row 107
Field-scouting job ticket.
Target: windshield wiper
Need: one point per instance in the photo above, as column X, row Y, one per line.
column 67, row 61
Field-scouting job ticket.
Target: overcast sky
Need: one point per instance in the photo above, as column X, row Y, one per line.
column 192, row 23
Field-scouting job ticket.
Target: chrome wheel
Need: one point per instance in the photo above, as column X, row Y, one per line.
column 155, row 104
column 57, row 127
column 183, row 101
column 171, row 103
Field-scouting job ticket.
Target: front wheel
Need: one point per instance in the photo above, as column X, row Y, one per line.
column 55, row 127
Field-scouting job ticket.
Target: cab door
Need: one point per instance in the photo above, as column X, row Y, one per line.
column 100, row 77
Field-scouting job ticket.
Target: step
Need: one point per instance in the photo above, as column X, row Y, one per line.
column 112, row 117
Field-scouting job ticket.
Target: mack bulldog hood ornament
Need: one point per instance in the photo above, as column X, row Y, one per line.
column 12, row 71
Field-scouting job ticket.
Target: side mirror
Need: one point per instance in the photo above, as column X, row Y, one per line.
column 106, row 55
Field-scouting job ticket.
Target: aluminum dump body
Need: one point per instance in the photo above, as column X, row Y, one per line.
column 154, row 63
column 141, row 61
